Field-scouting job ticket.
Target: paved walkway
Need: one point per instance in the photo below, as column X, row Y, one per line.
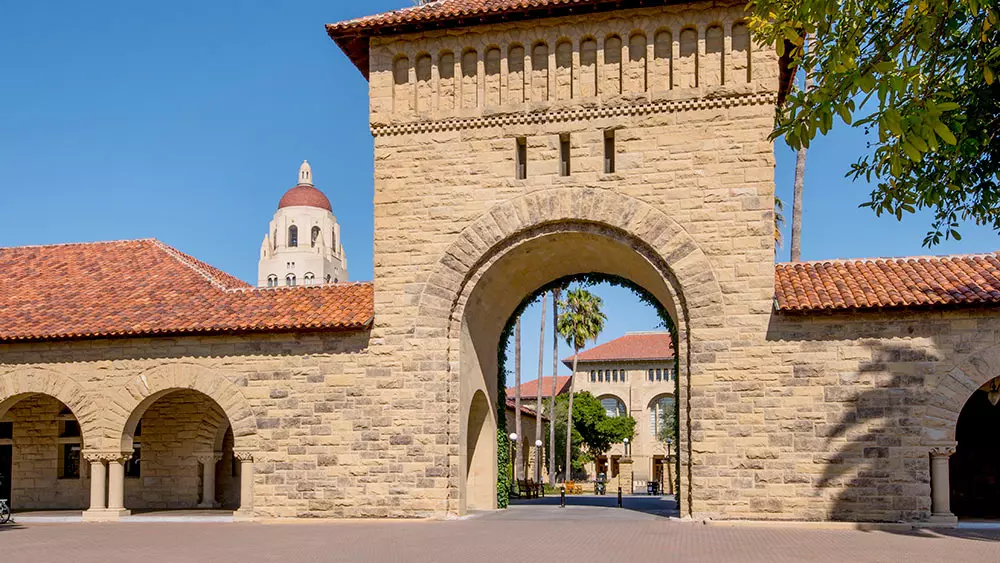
column 579, row 534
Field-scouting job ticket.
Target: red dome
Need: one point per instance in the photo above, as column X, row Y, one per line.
column 307, row 196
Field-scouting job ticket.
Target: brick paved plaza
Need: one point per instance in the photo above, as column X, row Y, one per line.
column 524, row 533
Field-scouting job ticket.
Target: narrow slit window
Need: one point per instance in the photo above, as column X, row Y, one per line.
column 522, row 158
column 564, row 168
column 609, row 152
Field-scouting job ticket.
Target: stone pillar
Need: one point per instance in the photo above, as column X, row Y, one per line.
column 941, row 486
column 625, row 474
column 668, row 477
column 208, row 463
column 245, row 511
column 110, row 481
column 116, row 484
column 98, row 482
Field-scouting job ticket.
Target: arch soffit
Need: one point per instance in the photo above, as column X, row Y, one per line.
column 24, row 382
column 143, row 390
column 692, row 278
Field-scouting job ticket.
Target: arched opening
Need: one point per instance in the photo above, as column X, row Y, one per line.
column 41, row 455
column 480, row 470
column 181, row 445
column 975, row 465
column 293, row 236
column 513, row 275
column 314, row 238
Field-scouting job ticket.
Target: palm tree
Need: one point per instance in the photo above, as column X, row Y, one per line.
column 779, row 222
column 538, row 392
column 581, row 321
column 552, row 397
column 800, row 180
column 518, row 450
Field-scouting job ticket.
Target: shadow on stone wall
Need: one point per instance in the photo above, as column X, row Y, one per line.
column 868, row 434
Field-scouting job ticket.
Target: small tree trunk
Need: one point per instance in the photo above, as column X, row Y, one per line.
column 538, row 399
column 518, row 450
column 800, row 180
column 552, row 398
column 569, row 421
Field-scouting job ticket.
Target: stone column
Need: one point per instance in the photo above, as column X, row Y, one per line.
column 98, row 482
column 116, row 484
column 625, row 474
column 941, row 486
column 245, row 511
column 208, row 463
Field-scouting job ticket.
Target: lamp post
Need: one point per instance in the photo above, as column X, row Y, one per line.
column 626, row 448
column 538, row 462
column 669, row 464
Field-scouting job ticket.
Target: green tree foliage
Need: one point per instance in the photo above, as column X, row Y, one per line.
column 668, row 426
column 594, row 432
column 920, row 76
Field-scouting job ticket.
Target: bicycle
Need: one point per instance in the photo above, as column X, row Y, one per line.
column 4, row 511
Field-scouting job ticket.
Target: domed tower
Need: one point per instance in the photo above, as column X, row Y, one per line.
column 303, row 246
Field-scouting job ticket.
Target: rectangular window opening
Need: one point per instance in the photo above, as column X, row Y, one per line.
column 522, row 158
column 69, row 461
column 564, row 150
column 609, row 151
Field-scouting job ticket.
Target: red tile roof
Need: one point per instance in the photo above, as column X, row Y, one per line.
column 146, row 288
column 529, row 389
column 633, row 346
column 352, row 35
column 888, row 283
column 512, row 406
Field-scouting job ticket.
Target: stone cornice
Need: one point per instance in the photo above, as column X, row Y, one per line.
column 573, row 114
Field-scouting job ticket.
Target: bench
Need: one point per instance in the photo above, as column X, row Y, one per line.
column 529, row 489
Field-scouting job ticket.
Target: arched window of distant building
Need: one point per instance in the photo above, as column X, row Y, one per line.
column 272, row 281
column 274, row 240
column 328, row 277
column 613, row 406
column 293, row 236
column 660, row 412
column 315, row 236
column 290, row 280
column 309, row 278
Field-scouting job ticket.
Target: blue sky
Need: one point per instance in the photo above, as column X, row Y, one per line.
column 186, row 121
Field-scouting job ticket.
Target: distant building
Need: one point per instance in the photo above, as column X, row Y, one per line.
column 529, row 389
column 302, row 245
column 632, row 375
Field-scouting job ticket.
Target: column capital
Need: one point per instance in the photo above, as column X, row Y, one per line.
column 106, row 456
column 944, row 451
column 243, row 455
column 209, row 458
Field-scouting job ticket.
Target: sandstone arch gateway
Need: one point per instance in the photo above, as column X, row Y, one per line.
column 513, row 146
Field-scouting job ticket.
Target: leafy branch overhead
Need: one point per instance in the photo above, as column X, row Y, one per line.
column 920, row 77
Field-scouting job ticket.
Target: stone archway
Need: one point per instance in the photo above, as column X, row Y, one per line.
column 23, row 383
column 495, row 262
column 135, row 396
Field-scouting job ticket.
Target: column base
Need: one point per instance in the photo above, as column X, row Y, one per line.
column 943, row 520
column 208, row 505
column 105, row 515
